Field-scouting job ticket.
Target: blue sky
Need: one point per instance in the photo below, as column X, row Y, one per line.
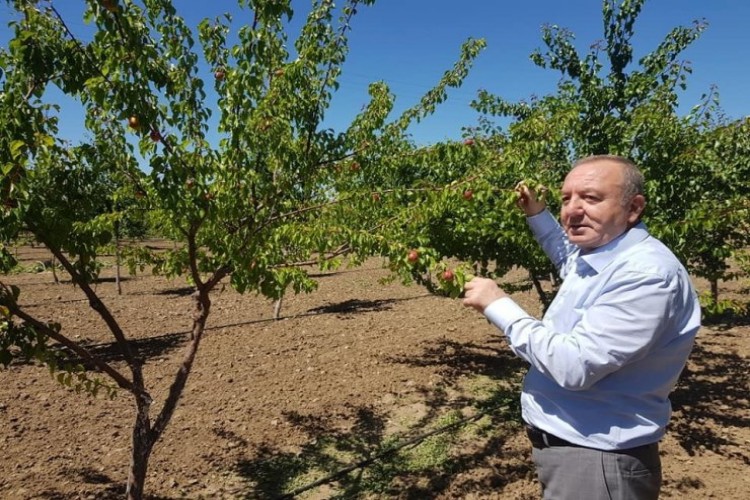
column 410, row 43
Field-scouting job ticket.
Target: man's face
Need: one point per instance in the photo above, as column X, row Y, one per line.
column 593, row 211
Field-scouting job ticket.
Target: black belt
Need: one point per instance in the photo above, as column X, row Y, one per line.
column 542, row 439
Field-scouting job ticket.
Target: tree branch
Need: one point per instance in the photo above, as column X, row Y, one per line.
column 97, row 305
column 203, row 305
column 83, row 353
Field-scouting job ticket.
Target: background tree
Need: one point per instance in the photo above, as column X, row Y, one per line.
column 714, row 233
column 604, row 103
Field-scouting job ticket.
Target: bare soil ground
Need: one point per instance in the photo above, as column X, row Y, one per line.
column 348, row 371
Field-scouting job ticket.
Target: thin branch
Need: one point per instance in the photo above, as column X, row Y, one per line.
column 433, row 189
column 314, row 122
column 341, row 250
column 98, row 306
column 83, row 353
column 79, row 46
column 193, row 255
column 218, row 275
column 31, row 91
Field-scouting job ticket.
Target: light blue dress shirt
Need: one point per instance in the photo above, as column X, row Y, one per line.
column 612, row 344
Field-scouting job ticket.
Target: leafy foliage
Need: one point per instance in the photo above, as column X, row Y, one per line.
column 606, row 103
column 213, row 138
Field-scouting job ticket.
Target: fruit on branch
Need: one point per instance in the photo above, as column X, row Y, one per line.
column 219, row 74
column 468, row 194
column 134, row 122
column 190, row 183
column 155, row 135
column 448, row 275
column 412, row 256
column 469, row 142
column 139, row 195
column 354, row 167
column 278, row 72
column 375, row 196
column 110, row 5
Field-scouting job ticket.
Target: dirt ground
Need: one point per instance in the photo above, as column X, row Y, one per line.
column 275, row 405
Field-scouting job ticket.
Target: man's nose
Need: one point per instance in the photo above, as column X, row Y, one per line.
column 574, row 204
column 574, row 207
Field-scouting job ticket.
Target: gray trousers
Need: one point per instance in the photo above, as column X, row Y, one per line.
column 571, row 473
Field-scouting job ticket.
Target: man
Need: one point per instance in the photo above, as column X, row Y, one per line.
column 612, row 344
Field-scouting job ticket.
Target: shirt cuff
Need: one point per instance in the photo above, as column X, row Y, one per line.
column 504, row 312
column 542, row 222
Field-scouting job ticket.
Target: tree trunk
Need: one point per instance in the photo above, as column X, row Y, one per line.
column 277, row 308
column 143, row 443
column 54, row 271
column 145, row 435
column 117, row 269
column 117, row 258
column 540, row 291
column 715, row 291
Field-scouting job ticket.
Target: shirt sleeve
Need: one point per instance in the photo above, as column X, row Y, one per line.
column 622, row 324
column 552, row 239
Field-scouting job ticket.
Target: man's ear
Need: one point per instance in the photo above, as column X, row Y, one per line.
column 636, row 207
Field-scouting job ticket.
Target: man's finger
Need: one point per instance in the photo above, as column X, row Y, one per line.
column 471, row 284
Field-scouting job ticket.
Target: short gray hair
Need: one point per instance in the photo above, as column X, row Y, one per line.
column 633, row 180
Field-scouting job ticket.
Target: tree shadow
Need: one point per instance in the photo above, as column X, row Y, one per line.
column 712, row 396
column 474, row 466
column 150, row 347
column 91, row 476
column 273, row 472
column 326, row 462
column 492, row 359
column 182, row 291
column 729, row 319
column 159, row 345
column 108, row 279
column 354, row 305
column 95, row 484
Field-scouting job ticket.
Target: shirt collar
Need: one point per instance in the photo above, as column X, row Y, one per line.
column 601, row 257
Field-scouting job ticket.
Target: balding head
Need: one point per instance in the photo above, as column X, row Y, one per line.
column 632, row 177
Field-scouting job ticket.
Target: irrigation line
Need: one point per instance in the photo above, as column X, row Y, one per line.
column 367, row 461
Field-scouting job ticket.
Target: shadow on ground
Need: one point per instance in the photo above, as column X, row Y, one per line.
column 160, row 345
column 712, row 396
column 493, row 359
column 439, row 453
column 729, row 319
column 354, row 305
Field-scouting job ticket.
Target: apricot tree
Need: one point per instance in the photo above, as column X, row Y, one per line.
column 244, row 177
